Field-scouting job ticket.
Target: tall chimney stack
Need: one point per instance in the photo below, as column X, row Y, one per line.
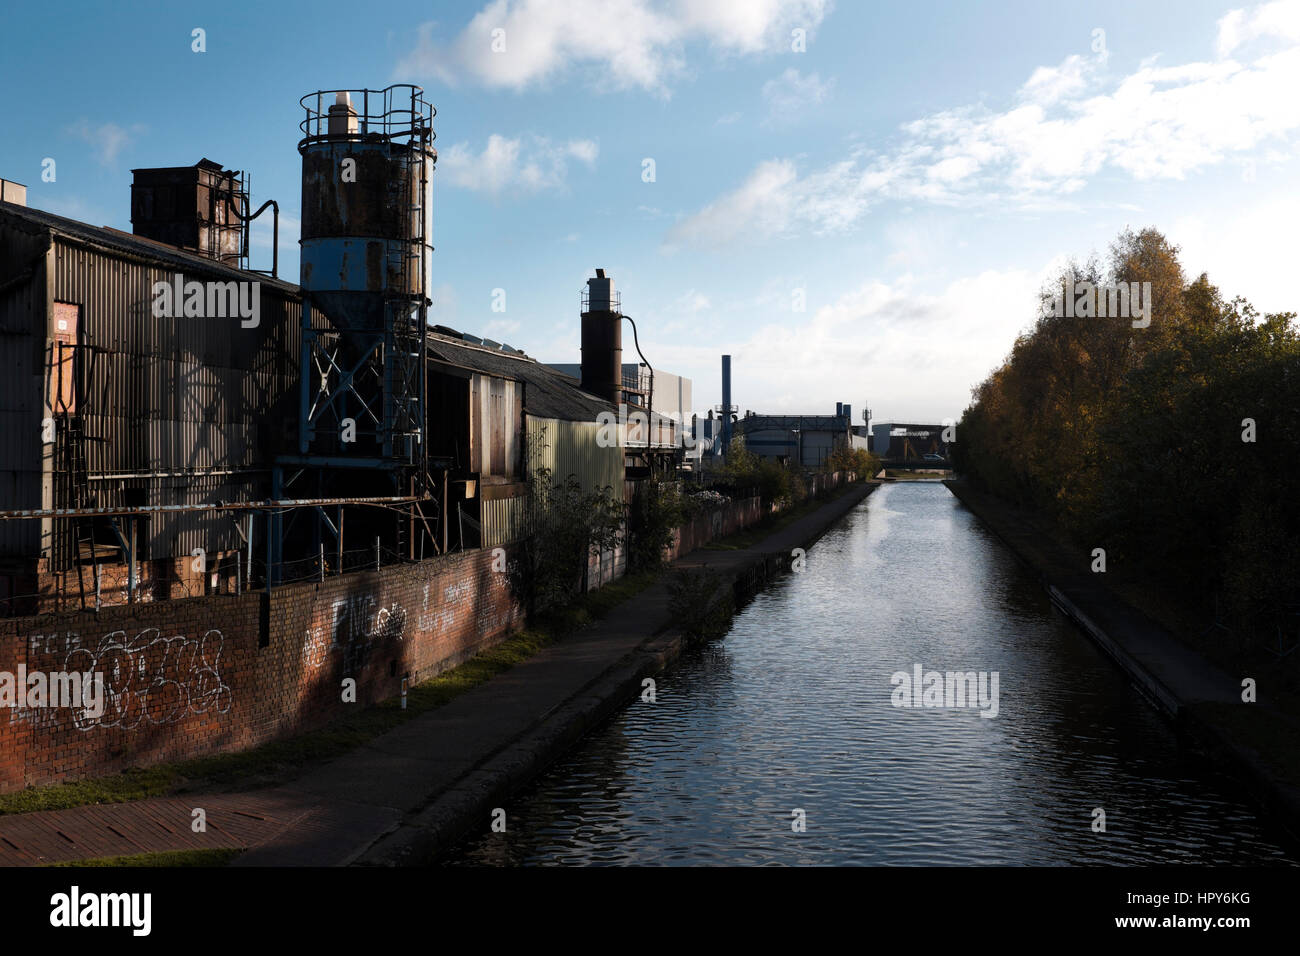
column 602, row 340
column 726, row 404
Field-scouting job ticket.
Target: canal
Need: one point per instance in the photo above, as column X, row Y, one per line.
column 794, row 710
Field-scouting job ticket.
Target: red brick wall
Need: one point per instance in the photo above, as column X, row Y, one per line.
column 735, row 516
column 190, row 677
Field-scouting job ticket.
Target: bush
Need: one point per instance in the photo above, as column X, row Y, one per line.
column 778, row 486
column 701, row 606
column 654, row 513
column 857, row 460
column 567, row 525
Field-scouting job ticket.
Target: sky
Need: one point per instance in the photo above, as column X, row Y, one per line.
column 858, row 202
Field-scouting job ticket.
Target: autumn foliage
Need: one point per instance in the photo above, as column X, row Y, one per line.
column 1173, row 446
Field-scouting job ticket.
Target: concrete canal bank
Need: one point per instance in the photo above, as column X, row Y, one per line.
column 1253, row 743
column 411, row 794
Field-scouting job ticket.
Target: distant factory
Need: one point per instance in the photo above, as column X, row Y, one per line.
column 898, row 442
column 804, row 440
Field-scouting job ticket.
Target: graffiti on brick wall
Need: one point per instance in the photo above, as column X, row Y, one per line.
column 443, row 614
column 357, row 627
column 148, row 678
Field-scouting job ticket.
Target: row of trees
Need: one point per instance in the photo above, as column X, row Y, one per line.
column 1173, row 446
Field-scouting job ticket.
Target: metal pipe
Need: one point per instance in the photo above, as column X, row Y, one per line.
column 268, row 505
column 130, row 573
column 275, row 240
column 650, row 399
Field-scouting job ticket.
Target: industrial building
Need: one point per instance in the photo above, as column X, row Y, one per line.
column 898, row 441
column 174, row 423
column 651, row 407
column 804, row 440
column 667, row 394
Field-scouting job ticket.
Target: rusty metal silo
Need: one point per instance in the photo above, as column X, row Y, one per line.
column 367, row 160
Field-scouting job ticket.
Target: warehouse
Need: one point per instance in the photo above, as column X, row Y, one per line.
column 180, row 424
column 806, row 440
column 108, row 405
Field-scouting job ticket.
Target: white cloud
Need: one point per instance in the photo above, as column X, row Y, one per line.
column 1069, row 123
column 625, row 43
column 1250, row 253
column 776, row 201
column 791, row 95
column 1048, row 84
column 499, row 329
column 1240, row 27
column 108, row 139
column 531, row 164
column 875, row 342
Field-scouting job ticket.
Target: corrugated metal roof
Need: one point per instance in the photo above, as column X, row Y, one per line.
column 548, row 393
column 117, row 241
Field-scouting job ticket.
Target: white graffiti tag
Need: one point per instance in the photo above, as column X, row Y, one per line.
column 357, row 625
column 154, row 679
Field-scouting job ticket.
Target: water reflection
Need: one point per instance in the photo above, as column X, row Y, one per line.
column 792, row 711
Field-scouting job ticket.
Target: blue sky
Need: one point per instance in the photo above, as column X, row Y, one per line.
column 913, row 175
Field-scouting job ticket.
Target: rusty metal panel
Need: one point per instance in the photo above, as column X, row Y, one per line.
column 514, row 419
column 61, row 393
column 499, row 425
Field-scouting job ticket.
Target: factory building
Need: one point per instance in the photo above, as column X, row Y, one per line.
column 652, row 407
column 898, row 441
column 668, row 394
column 504, row 417
column 106, row 405
column 173, row 423
column 805, row 440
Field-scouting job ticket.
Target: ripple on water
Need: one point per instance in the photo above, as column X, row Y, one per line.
column 792, row 710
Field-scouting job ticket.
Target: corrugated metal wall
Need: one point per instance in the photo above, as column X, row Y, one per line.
column 571, row 448
column 566, row 448
column 178, row 401
column 23, row 323
column 504, row 520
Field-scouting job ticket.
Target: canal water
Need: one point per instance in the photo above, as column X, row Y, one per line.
column 794, row 711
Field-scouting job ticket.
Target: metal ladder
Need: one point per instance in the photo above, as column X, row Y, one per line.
column 404, row 363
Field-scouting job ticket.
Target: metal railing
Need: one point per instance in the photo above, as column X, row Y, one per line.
column 399, row 113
